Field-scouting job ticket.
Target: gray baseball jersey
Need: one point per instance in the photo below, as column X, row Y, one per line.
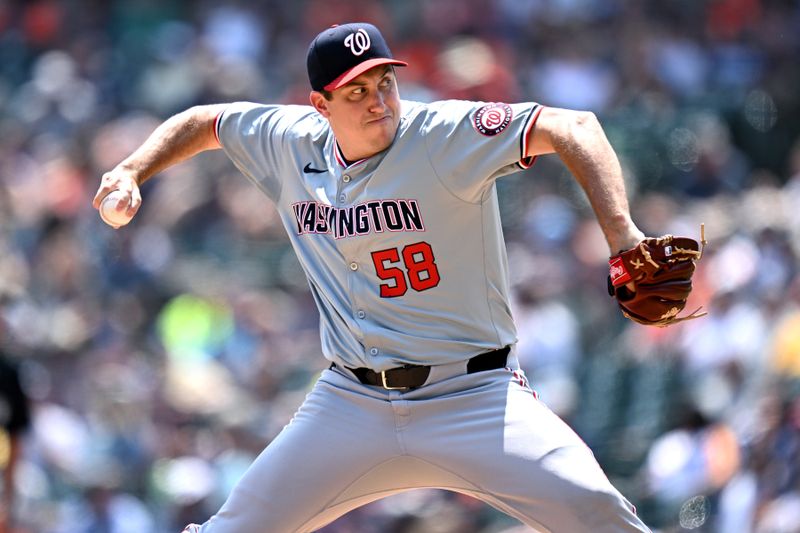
column 405, row 257
column 403, row 251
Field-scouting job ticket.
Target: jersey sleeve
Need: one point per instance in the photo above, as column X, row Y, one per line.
column 255, row 136
column 471, row 144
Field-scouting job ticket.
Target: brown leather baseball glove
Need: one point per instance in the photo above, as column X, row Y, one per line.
column 652, row 280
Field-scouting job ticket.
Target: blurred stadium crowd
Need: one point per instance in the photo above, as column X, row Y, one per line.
column 159, row 359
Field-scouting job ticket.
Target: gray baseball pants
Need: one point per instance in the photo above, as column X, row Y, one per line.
column 484, row 434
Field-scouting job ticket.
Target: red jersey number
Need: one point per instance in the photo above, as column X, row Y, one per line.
column 419, row 268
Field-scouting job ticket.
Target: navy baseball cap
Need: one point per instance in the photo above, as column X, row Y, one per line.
column 343, row 52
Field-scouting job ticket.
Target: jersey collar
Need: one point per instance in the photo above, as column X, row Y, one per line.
column 337, row 153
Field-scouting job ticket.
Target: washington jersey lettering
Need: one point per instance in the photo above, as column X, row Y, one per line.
column 403, row 251
column 377, row 216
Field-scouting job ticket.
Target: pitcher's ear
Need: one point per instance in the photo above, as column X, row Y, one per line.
column 319, row 102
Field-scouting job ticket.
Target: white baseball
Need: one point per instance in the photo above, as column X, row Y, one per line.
column 110, row 214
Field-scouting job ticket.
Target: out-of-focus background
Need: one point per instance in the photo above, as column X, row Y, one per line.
column 161, row 358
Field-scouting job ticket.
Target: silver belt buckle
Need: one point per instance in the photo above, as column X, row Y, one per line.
column 386, row 385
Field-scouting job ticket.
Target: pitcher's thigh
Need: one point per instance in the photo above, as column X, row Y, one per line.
column 563, row 492
column 334, row 439
column 523, row 459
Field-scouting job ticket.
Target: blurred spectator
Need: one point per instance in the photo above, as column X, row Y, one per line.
column 15, row 418
column 697, row 458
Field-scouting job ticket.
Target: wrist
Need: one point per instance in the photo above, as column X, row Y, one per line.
column 625, row 237
column 131, row 172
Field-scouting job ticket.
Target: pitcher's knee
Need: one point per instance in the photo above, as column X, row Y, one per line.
column 606, row 506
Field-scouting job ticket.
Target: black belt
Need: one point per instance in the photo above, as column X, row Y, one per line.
column 413, row 376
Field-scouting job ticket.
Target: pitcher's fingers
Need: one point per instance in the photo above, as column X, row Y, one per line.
column 136, row 201
column 124, row 199
column 102, row 192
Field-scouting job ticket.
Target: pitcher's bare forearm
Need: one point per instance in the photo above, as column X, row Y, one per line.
column 581, row 143
column 177, row 139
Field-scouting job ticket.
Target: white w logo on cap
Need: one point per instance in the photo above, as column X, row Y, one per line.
column 358, row 42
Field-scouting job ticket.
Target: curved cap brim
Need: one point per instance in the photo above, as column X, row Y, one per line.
column 361, row 68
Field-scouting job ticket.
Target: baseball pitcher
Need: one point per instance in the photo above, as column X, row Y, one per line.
column 391, row 208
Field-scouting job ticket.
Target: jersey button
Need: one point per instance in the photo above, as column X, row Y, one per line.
column 346, row 178
column 373, row 351
column 361, row 314
column 353, row 266
column 342, row 197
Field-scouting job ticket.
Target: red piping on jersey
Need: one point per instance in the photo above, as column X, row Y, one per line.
column 527, row 161
column 216, row 126
column 337, row 152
